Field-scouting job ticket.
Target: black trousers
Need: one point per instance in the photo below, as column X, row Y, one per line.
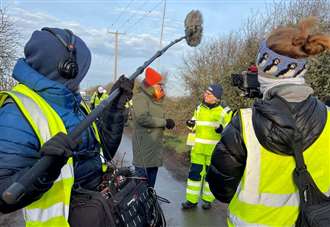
column 150, row 173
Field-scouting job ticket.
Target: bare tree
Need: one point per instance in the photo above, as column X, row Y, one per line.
column 9, row 42
column 216, row 60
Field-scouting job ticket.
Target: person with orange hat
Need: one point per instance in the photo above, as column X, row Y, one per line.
column 149, row 123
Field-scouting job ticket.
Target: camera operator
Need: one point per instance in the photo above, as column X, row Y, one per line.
column 252, row 165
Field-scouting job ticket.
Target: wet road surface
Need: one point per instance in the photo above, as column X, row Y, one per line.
column 166, row 186
column 173, row 190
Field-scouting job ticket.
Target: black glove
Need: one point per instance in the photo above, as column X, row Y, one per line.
column 219, row 129
column 190, row 123
column 169, row 123
column 126, row 91
column 60, row 145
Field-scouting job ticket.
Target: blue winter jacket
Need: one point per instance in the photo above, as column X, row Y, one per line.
column 19, row 146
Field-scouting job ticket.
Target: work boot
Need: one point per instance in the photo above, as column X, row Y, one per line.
column 188, row 205
column 206, row 205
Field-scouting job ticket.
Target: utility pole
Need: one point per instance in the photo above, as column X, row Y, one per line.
column 116, row 33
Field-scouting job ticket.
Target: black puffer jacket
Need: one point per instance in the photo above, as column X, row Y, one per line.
column 274, row 122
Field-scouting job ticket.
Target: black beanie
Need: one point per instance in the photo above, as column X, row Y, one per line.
column 216, row 90
column 44, row 51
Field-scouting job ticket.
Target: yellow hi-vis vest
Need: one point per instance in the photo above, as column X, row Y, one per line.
column 52, row 209
column 267, row 195
column 207, row 120
column 96, row 100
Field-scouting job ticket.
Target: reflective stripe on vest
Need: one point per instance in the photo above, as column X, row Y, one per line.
column 207, row 120
column 52, row 209
column 191, row 139
column 267, row 195
column 204, row 141
column 214, row 124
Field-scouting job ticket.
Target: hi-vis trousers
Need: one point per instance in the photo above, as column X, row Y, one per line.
column 196, row 185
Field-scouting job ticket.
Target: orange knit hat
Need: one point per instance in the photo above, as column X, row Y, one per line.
column 152, row 77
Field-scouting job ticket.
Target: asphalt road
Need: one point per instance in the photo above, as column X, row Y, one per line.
column 166, row 186
column 173, row 190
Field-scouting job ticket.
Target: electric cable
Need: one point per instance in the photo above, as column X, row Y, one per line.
column 122, row 13
column 144, row 16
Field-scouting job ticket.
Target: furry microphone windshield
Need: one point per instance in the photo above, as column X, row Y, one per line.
column 193, row 36
column 193, row 28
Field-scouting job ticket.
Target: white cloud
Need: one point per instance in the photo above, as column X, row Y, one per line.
column 133, row 50
column 99, row 41
column 141, row 12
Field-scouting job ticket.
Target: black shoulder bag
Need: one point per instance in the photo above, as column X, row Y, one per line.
column 314, row 205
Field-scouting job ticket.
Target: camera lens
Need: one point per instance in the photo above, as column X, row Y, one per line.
column 236, row 80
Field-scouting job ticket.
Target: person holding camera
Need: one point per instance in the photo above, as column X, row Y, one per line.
column 149, row 123
column 208, row 121
column 252, row 165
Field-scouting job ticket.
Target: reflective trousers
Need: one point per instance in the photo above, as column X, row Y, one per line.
column 197, row 186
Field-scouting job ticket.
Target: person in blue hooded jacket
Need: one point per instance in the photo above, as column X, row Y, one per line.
column 39, row 74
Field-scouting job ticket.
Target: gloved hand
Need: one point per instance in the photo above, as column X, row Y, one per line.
column 60, row 145
column 170, row 124
column 219, row 129
column 126, row 91
column 190, row 123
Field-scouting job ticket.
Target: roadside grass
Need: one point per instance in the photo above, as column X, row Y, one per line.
column 176, row 142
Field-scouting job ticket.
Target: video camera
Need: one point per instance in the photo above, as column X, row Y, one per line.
column 247, row 82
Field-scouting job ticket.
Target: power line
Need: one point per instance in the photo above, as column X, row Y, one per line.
column 144, row 16
column 129, row 18
column 122, row 13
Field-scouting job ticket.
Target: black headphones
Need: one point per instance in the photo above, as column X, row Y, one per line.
column 67, row 68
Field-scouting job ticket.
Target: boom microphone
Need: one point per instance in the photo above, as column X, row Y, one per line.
column 15, row 192
column 193, row 28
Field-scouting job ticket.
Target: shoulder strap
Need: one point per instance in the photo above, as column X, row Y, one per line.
column 298, row 156
column 309, row 193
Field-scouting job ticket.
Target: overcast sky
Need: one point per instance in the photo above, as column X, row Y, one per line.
column 140, row 20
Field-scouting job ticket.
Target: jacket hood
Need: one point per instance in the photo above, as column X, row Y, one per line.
column 43, row 52
column 279, row 124
column 55, row 93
